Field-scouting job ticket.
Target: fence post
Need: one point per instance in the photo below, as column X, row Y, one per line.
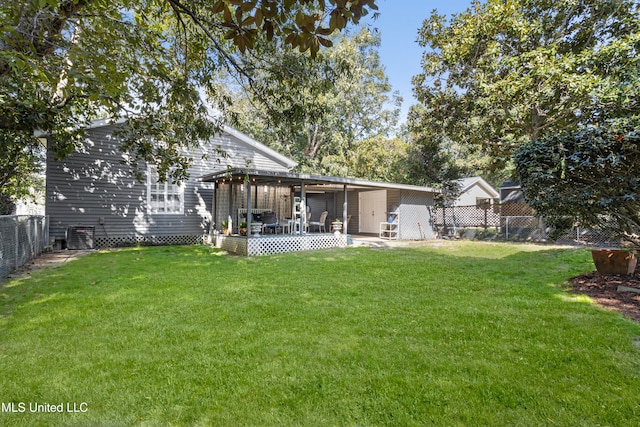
column 16, row 245
column 486, row 208
column 506, row 229
column 444, row 220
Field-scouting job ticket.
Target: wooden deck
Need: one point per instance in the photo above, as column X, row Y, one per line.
column 279, row 243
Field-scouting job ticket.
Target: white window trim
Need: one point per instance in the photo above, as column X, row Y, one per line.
column 167, row 187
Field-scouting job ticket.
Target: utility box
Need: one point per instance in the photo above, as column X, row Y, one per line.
column 80, row 237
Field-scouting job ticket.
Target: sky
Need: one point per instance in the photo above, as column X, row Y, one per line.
column 400, row 54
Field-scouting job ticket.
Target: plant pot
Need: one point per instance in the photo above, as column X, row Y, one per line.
column 609, row 261
column 336, row 226
column 256, row 228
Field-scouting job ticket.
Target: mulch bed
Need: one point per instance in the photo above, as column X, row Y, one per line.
column 608, row 291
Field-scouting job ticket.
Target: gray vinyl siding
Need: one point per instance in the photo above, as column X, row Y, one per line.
column 393, row 200
column 413, row 207
column 416, row 207
column 320, row 203
column 352, row 209
column 92, row 186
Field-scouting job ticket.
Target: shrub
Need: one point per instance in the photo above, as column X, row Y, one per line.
column 589, row 177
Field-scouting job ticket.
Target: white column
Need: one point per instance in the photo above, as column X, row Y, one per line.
column 249, row 207
column 344, row 211
column 303, row 208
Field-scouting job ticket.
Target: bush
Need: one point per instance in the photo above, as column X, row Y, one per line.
column 590, row 176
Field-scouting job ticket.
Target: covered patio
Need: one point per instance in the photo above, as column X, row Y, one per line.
column 244, row 198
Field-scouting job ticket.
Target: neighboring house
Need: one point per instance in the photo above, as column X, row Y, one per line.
column 475, row 191
column 511, row 192
column 513, row 203
column 94, row 190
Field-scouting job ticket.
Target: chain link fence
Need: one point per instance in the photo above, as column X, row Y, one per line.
column 511, row 222
column 21, row 238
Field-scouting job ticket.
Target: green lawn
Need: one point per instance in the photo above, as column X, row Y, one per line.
column 448, row 334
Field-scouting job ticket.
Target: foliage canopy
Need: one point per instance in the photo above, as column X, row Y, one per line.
column 318, row 111
column 64, row 63
column 509, row 71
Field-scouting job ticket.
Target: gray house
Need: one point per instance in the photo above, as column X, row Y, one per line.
column 92, row 190
column 92, row 195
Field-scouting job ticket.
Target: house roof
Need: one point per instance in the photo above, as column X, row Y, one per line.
column 510, row 183
column 255, row 145
column 511, row 192
column 296, row 179
column 289, row 163
column 467, row 183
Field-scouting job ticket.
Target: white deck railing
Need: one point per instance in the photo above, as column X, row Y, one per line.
column 279, row 243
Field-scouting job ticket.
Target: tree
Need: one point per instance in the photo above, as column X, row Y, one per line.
column 318, row 111
column 64, row 63
column 589, row 176
column 505, row 72
column 433, row 159
column 382, row 159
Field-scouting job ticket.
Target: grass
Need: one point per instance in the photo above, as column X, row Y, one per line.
column 461, row 333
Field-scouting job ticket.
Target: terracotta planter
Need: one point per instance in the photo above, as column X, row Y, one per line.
column 614, row 261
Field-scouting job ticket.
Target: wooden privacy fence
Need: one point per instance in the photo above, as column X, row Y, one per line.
column 22, row 237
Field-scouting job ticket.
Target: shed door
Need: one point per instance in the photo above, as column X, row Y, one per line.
column 372, row 211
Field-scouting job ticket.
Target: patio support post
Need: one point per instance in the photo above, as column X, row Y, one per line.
column 249, row 207
column 212, row 224
column 303, row 207
column 344, row 209
column 230, row 207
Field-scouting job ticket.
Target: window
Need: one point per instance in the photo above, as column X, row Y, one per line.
column 163, row 197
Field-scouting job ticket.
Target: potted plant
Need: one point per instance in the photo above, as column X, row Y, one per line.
column 336, row 225
column 590, row 178
column 256, row 228
column 225, row 227
column 614, row 261
column 243, row 228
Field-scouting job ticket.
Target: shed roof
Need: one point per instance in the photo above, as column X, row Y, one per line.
column 296, row 179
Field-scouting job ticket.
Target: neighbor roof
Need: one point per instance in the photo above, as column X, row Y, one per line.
column 466, row 183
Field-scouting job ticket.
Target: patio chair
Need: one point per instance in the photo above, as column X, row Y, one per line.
column 270, row 221
column 320, row 223
column 307, row 221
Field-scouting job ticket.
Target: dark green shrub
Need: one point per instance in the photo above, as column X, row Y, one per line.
column 589, row 177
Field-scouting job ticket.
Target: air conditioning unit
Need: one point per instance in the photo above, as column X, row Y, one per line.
column 80, row 237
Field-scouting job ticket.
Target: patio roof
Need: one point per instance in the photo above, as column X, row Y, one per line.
column 297, row 179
